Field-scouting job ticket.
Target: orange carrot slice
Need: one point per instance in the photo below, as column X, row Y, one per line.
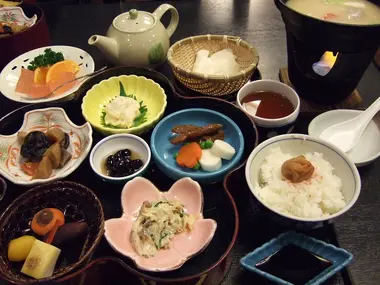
column 50, row 236
column 29, row 168
column 189, row 155
column 45, row 220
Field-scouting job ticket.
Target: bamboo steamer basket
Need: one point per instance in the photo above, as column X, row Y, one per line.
column 181, row 57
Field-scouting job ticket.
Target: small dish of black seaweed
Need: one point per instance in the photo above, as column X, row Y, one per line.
column 296, row 259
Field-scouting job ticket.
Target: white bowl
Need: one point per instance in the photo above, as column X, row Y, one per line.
column 368, row 146
column 298, row 144
column 42, row 120
column 274, row 86
column 112, row 144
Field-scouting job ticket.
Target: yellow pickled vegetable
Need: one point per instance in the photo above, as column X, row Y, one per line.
column 41, row 260
column 19, row 248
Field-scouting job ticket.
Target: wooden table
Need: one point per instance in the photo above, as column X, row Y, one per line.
column 260, row 23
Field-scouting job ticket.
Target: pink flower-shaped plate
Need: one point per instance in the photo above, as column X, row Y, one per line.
column 184, row 245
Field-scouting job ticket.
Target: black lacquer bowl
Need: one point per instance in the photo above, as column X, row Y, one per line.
column 211, row 265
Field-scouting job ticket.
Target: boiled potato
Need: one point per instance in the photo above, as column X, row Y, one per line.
column 19, row 248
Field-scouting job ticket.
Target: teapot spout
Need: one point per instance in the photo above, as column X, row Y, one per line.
column 107, row 46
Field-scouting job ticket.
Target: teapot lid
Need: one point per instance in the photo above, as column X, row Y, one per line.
column 134, row 21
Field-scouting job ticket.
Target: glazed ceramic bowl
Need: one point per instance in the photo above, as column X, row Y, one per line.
column 274, row 86
column 112, row 144
column 17, row 44
column 183, row 245
column 295, row 145
column 11, row 73
column 77, row 202
column 143, row 89
column 15, row 15
column 42, row 120
column 163, row 151
column 367, row 149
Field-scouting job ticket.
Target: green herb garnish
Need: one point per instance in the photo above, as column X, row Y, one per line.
column 175, row 155
column 197, row 166
column 140, row 119
column 206, row 144
column 161, row 238
column 49, row 57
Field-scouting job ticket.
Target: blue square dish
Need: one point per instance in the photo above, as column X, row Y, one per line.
column 339, row 257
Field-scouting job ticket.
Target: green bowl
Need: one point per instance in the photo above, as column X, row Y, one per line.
column 143, row 89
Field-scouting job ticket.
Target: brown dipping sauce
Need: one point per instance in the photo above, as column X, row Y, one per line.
column 272, row 106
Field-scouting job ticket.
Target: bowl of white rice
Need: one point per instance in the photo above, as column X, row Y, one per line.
column 331, row 188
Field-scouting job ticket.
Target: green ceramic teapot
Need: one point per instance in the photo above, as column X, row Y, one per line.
column 138, row 38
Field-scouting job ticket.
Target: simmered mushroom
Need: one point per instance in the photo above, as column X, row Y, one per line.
column 34, row 146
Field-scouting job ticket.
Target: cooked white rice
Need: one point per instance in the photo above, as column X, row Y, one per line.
column 319, row 196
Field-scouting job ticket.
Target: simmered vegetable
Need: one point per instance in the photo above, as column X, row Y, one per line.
column 55, row 135
column 189, row 155
column 19, row 248
column 41, row 260
column 29, row 168
column 69, row 232
column 44, row 221
column 54, row 153
column 44, row 169
column 65, row 142
column 34, row 146
column 44, row 152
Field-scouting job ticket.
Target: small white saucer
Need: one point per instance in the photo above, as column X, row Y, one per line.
column 368, row 147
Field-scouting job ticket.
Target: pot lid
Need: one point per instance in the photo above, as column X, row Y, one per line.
column 134, row 21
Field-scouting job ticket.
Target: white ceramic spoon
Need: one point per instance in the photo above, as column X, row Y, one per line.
column 345, row 135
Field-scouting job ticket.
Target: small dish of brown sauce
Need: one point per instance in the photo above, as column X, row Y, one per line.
column 267, row 104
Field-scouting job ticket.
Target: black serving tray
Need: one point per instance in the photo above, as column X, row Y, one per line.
column 243, row 213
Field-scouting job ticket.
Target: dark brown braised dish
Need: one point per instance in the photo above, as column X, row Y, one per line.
column 44, row 152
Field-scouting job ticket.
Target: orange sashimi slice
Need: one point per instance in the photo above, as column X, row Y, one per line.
column 62, row 79
column 57, row 69
column 25, row 81
column 27, row 86
column 39, row 90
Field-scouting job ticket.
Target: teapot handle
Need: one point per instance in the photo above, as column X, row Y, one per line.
column 160, row 11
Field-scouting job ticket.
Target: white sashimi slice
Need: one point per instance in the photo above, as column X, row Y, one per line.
column 209, row 161
column 223, row 149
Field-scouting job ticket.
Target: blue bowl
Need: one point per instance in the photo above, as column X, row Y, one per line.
column 163, row 151
column 338, row 256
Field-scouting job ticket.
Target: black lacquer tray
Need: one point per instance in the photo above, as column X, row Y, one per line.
column 243, row 224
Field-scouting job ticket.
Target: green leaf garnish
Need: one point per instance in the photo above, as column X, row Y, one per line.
column 197, row 166
column 49, row 57
column 140, row 119
column 122, row 90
